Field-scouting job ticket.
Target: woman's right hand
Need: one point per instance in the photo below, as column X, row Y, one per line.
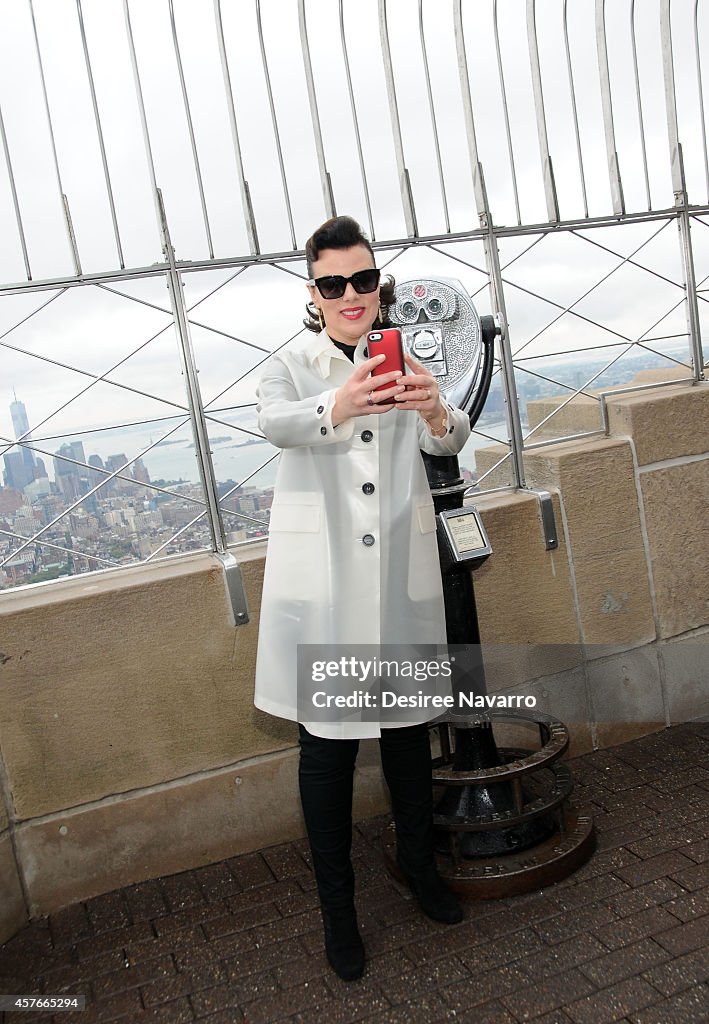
column 352, row 399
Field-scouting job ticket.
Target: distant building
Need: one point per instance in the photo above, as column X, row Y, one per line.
column 146, row 521
column 17, row 473
column 20, row 423
column 27, row 522
column 22, row 466
column 72, row 479
column 39, row 488
column 10, row 500
column 20, row 566
column 113, row 518
column 95, row 477
column 83, row 525
column 115, row 463
column 140, row 472
column 21, row 426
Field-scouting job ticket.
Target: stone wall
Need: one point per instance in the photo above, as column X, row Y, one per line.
column 13, row 905
column 129, row 744
column 631, row 510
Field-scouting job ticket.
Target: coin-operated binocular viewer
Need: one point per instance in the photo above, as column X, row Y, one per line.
column 503, row 819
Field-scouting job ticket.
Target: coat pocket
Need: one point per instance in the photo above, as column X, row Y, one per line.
column 424, row 581
column 426, row 518
column 295, row 519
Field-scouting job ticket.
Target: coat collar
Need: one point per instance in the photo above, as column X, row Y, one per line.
column 320, row 351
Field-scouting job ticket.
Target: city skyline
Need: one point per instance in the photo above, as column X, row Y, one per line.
column 88, row 520
column 137, row 515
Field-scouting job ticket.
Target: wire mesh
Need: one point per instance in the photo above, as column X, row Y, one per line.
column 552, row 157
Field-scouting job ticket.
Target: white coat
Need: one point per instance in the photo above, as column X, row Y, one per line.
column 324, row 583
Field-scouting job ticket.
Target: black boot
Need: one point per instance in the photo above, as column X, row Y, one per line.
column 343, row 943
column 433, row 895
column 325, row 777
column 406, row 761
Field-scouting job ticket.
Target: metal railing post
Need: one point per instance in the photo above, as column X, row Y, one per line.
column 694, row 327
column 497, row 301
column 492, row 256
column 194, row 398
column 616, row 185
column 407, row 198
column 679, row 187
column 233, row 581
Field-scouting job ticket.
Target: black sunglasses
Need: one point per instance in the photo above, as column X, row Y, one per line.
column 333, row 286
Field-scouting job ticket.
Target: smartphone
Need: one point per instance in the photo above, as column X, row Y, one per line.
column 388, row 341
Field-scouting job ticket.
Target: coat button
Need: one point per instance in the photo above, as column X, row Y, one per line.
column 321, row 408
column 451, row 430
column 368, row 488
column 323, row 430
column 367, row 435
column 368, row 540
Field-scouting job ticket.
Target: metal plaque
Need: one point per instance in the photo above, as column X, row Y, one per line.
column 465, row 535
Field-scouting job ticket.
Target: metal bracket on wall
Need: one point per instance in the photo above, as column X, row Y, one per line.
column 546, row 508
column 234, row 588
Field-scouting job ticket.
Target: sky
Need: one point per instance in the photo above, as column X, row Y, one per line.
column 94, row 330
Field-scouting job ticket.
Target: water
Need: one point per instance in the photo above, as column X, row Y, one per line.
column 174, row 458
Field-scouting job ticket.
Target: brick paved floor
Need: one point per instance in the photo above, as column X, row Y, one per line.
column 624, row 939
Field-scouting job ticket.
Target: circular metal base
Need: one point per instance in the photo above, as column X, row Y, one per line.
column 514, row 839
column 515, row 873
column 463, row 817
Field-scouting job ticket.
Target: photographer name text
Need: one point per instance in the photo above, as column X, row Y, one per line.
column 360, row 699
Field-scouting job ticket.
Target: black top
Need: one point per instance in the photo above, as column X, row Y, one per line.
column 349, row 350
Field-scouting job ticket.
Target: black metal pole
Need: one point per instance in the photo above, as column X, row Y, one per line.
column 475, row 747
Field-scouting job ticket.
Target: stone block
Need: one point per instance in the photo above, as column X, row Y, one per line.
column 676, row 500
column 597, row 484
column 13, row 912
column 172, row 828
column 658, row 374
column 614, row 601
column 128, row 680
column 626, row 695
column 510, row 667
column 563, row 696
column 685, row 661
column 664, row 423
column 493, row 465
column 596, row 480
column 523, row 592
column 556, row 416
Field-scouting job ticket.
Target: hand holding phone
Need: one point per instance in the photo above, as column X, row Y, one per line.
column 386, row 341
column 355, row 397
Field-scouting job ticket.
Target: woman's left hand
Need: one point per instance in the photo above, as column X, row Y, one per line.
column 421, row 393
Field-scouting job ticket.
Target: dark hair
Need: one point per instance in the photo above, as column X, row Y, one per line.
column 343, row 233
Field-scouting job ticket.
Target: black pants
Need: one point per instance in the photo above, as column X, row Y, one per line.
column 325, row 776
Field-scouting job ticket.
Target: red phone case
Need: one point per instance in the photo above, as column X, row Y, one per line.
column 388, row 341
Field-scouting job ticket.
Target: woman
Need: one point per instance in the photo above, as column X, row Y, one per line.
column 352, row 559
